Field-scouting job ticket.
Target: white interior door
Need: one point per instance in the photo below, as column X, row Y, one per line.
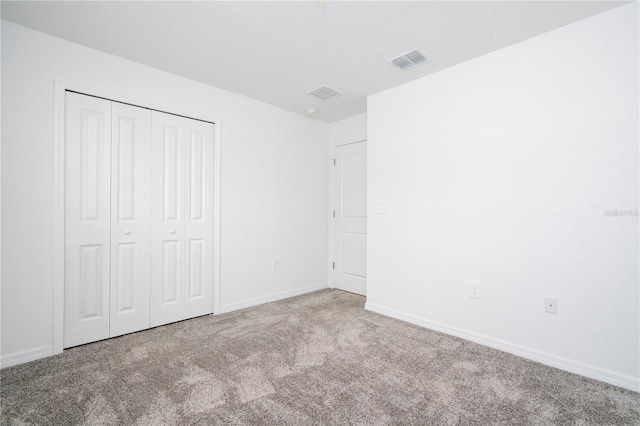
column 350, row 222
column 87, row 219
column 130, row 227
column 181, row 218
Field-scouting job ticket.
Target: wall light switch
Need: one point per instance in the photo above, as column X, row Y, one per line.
column 276, row 264
column 382, row 207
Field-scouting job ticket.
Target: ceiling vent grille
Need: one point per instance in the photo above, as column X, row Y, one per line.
column 324, row 93
column 409, row 59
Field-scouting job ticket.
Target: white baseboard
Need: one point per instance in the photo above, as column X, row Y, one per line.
column 607, row 376
column 272, row 298
column 26, row 356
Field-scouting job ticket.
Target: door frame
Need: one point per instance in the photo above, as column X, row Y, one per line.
column 332, row 207
column 60, row 87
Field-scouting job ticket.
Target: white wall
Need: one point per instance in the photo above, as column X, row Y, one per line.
column 351, row 129
column 500, row 170
column 274, row 181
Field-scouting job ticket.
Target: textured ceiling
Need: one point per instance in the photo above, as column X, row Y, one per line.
column 278, row 51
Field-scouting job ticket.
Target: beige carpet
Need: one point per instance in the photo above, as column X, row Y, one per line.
column 318, row 359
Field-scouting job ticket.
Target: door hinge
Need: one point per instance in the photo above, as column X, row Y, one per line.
column 334, row 161
column 334, row 213
column 334, row 265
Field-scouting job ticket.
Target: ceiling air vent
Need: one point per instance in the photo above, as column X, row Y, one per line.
column 324, row 93
column 409, row 59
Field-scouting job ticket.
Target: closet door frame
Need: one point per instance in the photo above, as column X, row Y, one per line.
column 60, row 88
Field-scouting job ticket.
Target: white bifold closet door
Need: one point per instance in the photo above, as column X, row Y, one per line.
column 138, row 219
column 87, row 219
column 130, row 227
column 181, row 218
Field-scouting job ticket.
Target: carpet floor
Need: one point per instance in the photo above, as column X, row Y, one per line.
column 317, row 359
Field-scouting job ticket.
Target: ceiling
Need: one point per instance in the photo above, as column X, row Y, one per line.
column 278, row 51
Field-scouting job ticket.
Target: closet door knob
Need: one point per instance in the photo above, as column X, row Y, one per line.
column 172, row 231
column 127, row 231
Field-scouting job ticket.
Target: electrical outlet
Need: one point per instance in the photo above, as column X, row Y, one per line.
column 276, row 264
column 551, row 305
column 474, row 289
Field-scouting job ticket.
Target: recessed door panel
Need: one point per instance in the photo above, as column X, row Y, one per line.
column 91, row 281
column 171, row 272
column 87, row 219
column 92, row 161
column 171, row 189
column 354, row 184
column 196, row 269
column 197, row 181
column 126, row 167
column 125, row 279
column 130, row 228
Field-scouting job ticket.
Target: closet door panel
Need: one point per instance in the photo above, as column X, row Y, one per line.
column 87, row 219
column 167, row 219
column 199, row 217
column 130, row 227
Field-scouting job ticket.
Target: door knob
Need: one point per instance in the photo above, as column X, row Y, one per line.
column 172, row 231
column 127, row 231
